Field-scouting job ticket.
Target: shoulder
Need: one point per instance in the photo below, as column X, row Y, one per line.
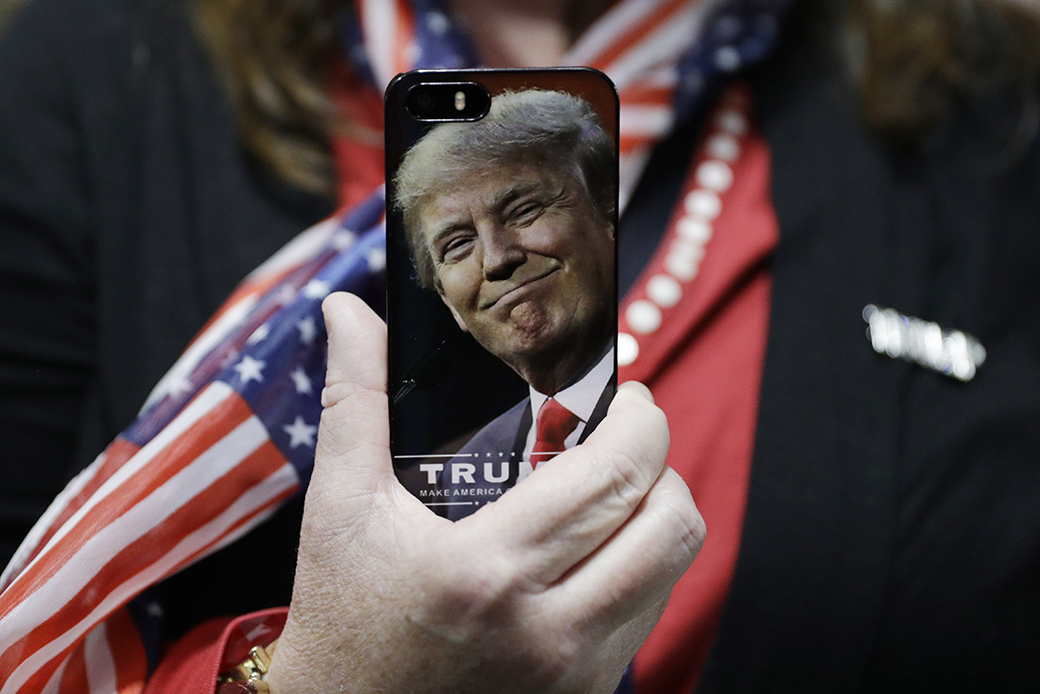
column 93, row 55
column 72, row 69
column 499, row 432
column 83, row 34
column 810, row 93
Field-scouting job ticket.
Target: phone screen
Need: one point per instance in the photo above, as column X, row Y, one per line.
column 502, row 274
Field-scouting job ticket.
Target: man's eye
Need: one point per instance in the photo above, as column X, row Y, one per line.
column 528, row 211
column 456, row 248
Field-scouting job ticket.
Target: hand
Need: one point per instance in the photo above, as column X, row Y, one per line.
column 551, row 588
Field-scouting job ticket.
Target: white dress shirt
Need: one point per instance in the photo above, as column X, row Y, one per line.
column 580, row 398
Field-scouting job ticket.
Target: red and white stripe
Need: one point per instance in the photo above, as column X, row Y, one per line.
column 108, row 661
column 161, row 510
column 637, row 44
column 388, row 29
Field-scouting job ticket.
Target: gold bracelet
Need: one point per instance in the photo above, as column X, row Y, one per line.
column 248, row 676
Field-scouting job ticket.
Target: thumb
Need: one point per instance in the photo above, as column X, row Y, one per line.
column 357, row 346
column 353, row 453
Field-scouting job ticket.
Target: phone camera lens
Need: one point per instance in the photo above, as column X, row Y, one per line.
column 446, row 101
column 424, row 103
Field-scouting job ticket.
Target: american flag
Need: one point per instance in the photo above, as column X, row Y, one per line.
column 228, row 434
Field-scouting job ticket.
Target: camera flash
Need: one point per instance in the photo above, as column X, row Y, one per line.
column 460, row 101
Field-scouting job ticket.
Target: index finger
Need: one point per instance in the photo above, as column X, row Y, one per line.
column 572, row 504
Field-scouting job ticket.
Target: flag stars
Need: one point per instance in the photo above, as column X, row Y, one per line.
column 343, row 239
column 250, row 369
column 179, row 386
column 412, row 53
column 285, row 294
column 308, row 330
column 316, row 289
column 300, row 433
column 438, row 23
column 728, row 59
column 259, row 334
column 302, row 382
column 376, row 259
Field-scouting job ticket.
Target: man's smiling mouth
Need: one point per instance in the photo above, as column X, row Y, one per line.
column 517, row 287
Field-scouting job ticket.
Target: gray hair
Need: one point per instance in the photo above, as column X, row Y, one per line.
column 548, row 127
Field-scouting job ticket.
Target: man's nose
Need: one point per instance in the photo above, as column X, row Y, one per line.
column 502, row 252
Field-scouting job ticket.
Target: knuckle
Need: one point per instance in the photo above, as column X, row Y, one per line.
column 624, row 477
column 686, row 522
column 345, row 393
column 631, row 457
column 353, row 415
column 633, row 465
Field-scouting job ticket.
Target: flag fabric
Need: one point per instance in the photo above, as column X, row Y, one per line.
column 228, row 433
column 225, row 438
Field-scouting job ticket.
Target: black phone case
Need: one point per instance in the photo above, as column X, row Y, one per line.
column 446, row 390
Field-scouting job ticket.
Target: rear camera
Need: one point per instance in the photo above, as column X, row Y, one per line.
column 448, row 101
column 424, row 103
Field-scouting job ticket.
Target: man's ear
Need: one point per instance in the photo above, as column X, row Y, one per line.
column 458, row 318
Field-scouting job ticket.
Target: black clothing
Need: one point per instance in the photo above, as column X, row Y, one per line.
column 892, row 537
column 127, row 214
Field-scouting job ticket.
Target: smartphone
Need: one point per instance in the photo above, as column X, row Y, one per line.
column 501, row 274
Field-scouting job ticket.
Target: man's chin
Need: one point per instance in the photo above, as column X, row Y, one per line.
column 516, row 347
column 525, row 347
column 535, row 338
column 530, row 322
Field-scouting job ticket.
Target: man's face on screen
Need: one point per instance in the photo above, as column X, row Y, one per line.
column 524, row 262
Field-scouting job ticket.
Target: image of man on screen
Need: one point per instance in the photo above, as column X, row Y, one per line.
column 511, row 221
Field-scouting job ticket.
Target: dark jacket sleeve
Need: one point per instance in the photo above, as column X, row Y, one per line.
column 46, row 305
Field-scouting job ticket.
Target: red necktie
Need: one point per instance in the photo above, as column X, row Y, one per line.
column 555, row 423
